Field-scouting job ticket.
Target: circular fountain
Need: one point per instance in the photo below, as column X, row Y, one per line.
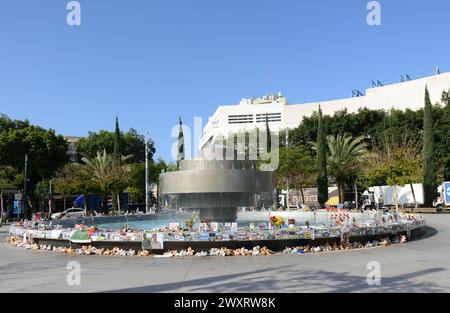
column 217, row 187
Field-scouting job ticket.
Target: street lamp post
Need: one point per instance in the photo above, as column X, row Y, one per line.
column 50, row 198
column 287, row 176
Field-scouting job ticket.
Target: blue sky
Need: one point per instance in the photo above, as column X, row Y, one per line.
column 151, row 60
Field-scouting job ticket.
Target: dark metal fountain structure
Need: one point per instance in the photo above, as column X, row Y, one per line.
column 217, row 187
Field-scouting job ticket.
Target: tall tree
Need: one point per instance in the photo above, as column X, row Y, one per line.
column 180, row 155
column 395, row 162
column 8, row 177
column 137, row 178
column 268, row 135
column 105, row 175
column 321, row 165
column 117, row 152
column 116, row 156
column 296, row 165
column 41, row 193
column 131, row 143
column 429, row 167
column 100, row 167
column 75, row 179
column 345, row 158
column 46, row 151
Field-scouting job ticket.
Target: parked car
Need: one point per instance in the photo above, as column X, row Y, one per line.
column 69, row 213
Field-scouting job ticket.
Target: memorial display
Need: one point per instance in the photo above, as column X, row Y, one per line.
column 276, row 229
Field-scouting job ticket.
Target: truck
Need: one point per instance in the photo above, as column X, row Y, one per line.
column 443, row 200
column 404, row 194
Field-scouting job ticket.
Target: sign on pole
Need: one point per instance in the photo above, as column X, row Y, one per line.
column 17, row 207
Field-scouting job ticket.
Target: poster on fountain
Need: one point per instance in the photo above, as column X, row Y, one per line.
column 204, row 227
column 344, row 236
column 233, row 227
column 80, row 236
column 55, row 233
column 157, row 241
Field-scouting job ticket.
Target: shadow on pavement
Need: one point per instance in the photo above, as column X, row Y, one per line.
column 429, row 232
column 284, row 279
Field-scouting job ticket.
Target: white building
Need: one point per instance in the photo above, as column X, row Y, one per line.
column 72, row 147
column 251, row 113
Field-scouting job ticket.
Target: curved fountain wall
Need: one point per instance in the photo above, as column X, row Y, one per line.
column 217, row 188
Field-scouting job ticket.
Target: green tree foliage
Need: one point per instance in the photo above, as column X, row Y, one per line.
column 446, row 97
column 117, row 159
column 117, row 150
column 180, row 155
column 41, row 193
column 46, row 151
column 268, row 136
column 105, row 175
column 75, row 179
column 441, row 118
column 364, row 123
column 396, row 162
column 321, row 165
column 298, row 166
column 429, row 168
column 346, row 156
column 376, row 124
column 131, row 143
column 137, row 178
column 10, row 177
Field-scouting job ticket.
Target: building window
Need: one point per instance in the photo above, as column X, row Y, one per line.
column 271, row 117
column 240, row 119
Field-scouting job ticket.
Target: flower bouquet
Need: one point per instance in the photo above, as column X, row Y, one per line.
column 190, row 223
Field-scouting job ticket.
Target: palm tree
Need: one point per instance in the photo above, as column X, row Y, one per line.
column 345, row 157
column 107, row 174
column 100, row 168
column 100, row 165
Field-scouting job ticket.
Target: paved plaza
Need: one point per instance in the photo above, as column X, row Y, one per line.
column 418, row 266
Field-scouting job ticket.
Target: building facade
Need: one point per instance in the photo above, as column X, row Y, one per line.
column 251, row 113
column 72, row 148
